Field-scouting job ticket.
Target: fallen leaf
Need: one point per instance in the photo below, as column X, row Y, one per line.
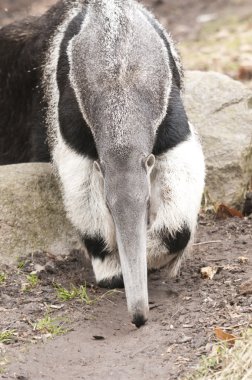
column 243, row 259
column 170, row 348
column 245, row 72
column 208, row 272
column 222, row 335
column 37, row 337
column 246, row 287
column 224, row 212
column 57, row 307
column 203, row 18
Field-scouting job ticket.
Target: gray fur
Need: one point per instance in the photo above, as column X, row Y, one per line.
column 120, row 72
column 121, row 75
column 123, row 94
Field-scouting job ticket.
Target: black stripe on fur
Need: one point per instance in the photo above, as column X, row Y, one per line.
column 73, row 127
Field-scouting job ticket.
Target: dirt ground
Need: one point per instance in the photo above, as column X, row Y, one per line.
column 98, row 339
column 89, row 337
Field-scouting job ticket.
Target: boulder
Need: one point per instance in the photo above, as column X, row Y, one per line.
column 32, row 216
column 221, row 110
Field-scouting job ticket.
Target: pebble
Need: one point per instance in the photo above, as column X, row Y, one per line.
column 184, row 339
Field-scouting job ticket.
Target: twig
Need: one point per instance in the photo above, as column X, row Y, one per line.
column 178, row 311
column 107, row 299
column 155, row 306
column 208, row 242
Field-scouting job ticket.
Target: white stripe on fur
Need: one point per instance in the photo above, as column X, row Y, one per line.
column 177, row 184
column 83, row 194
column 50, row 75
column 106, row 269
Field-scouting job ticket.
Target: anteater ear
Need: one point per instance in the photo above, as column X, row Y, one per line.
column 149, row 163
column 97, row 168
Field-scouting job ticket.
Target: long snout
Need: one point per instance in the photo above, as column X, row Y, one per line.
column 130, row 223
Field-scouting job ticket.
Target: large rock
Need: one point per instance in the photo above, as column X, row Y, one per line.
column 221, row 110
column 31, row 212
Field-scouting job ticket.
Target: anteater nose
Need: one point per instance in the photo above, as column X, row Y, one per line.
column 139, row 320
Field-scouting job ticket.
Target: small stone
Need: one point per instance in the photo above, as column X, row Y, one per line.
column 246, row 287
column 184, row 339
column 38, row 269
column 208, row 272
column 50, row 267
column 243, row 259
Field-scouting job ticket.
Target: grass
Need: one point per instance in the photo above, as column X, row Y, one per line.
column 50, row 325
column 225, row 363
column 3, row 277
column 7, row 336
column 80, row 294
column 208, row 205
column 74, row 293
column 3, row 363
column 21, row 264
column 32, row 281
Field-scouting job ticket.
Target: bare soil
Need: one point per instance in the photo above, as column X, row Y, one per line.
column 101, row 341
column 98, row 339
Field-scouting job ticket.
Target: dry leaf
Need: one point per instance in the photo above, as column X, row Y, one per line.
column 186, row 298
column 208, row 272
column 222, row 335
column 243, row 259
column 246, row 287
column 245, row 72
column 224, row 212
column 170, row 348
